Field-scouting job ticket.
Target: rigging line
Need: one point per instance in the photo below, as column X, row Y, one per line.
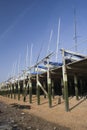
column 79, row 43
column 39, row 53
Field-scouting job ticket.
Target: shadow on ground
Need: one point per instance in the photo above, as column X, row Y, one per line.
column 15, row 105
column 77, row 104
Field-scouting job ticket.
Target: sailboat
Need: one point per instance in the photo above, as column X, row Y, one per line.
column 56, row 63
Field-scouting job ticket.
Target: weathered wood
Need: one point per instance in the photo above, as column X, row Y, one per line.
column 49, row 86
column 38, row 88
column 42, row 88
column 49, row 92
column 8, row 90
column 76, row 86
column 62, row 86
column 53, row 89
column 14, row 91
column 24, row 90
column 18, row 90
column 11, row 92
column 81, row 86
column 64, row 70
column 30, row 91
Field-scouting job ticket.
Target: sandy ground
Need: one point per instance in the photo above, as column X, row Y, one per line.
column 75, row 119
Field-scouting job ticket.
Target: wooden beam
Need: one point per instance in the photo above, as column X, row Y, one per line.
column 64, row 70
column 78, row 69
column 42, row 88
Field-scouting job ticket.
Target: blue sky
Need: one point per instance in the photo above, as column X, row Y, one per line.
column 26, row 22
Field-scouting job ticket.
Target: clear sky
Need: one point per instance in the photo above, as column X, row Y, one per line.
column 32, row 22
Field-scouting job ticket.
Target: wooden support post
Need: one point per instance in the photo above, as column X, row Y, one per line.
column 18, row 90
column 24, row 90
column 38, row 89
column 30, row 91
column 81, row 87
column 14, row 91
column 65, row 82
column 62, row 86
column 49, row 86
column 7, row 91
column 53, row 89
column 49, row 92
column 69, row 89
column 44, row 86
column 76, row 86
column 11, row 90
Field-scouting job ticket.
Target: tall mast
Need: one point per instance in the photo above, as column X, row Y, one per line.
column 31, row 54
column 58, row 40
column 27, row 57
column 19, row 63
column 51, row 34
column 75, row 37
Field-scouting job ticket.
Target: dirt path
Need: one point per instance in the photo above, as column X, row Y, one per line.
column 31, row 116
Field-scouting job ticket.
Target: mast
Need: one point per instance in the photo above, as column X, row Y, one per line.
column 58, row 40
column 51, row 34
column 19, row 63
column 75, row 27
column 31, row 55
column 27, row 57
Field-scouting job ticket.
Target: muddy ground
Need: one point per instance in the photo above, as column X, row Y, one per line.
column 19, row 115
column 12, row 117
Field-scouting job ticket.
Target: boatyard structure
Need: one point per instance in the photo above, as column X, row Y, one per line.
column 64, row 80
